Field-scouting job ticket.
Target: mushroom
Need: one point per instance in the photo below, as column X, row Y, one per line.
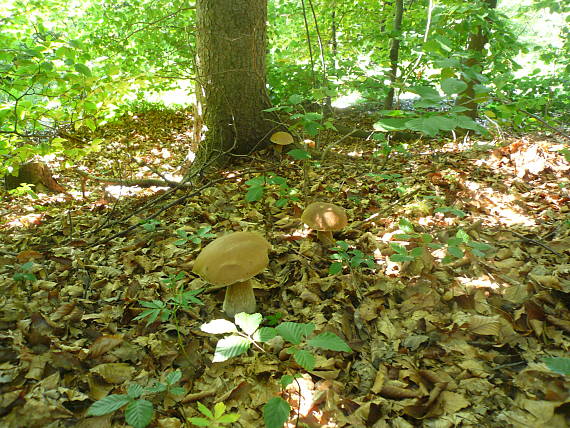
column 232, row 260
column 324, row 218
column 281, row 139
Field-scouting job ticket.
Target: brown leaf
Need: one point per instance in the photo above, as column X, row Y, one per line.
column 104, row 344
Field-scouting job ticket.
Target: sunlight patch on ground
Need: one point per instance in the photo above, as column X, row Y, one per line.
column 347, row 100
column 481, row 282
column 183, row 95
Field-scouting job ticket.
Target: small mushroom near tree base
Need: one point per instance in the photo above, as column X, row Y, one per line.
column 239, row 298
column 325, row 218
column 280, row 139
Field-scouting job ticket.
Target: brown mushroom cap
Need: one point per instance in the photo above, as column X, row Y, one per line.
column 232, row 258
column 324, row 217
column 281, row 138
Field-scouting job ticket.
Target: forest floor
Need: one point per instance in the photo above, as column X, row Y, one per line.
column 453, row 332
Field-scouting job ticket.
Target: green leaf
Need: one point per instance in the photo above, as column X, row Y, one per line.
column 299, row 154
column 156, row 388
column 305, row 359
column 398, row 248
column 139, row 413
column 205, row 411
column 177, row 390
column 294, row 332
column 135, row 390
column 276, row 412
column 335, row 268
column 330, row 342
column 83, row 69
column 455, row 252
column 219, row 409
column 173, row 377
column 295, row 99
column 406, row 225
column 453, row 86
column 461, row 234
column 286, row 380
column 229, row 347
column 201, row 422
column 254, row 194
column 108, row 404
column 249, row 323
column 560, row 365
column 399, row 258
column 390, row 124
column 219, row 326
column 229, row 418
column 265, row 334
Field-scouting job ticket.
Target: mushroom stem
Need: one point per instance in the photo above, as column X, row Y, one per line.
column 239, row 298
column 326, row 238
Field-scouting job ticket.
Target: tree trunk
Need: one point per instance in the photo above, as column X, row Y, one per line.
column 473, row 64
column 231, row 90
column 394, row 53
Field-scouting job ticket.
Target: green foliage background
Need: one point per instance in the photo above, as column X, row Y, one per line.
column 67, row 65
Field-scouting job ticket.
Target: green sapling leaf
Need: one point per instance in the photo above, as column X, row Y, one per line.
column 276, row 412
column 139, row 413
column 330, row 342
column 108, row 404
column 249, row 323
column 294, row 332
column 229, row 347
column 219, row 326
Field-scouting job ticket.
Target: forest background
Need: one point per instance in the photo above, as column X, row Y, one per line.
column 441, row 128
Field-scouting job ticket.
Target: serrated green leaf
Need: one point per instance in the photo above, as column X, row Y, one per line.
column 305, row 359
column 400, row 258
column 330, row 342
column 229, row 418
column 265, row 334
column 299, row 154
column 455, row 252
column 201, row 422
column 177, row 390
column 135, row 390
column 294, row 332
column 453, row 86
column 461, row 234
column 108, row 404
column 254, row 194
column 276, row 412
column 398, row 248
column 139, row 413
column 406, row 225
column 286, row 380
column 219, row 409
column 249, row 323
column 229, row 347
column 219, row 326
column 335, row 268
column 205, row 411
column 83, row 69
column 417, row 252
column 295, row 99
column 173, row 377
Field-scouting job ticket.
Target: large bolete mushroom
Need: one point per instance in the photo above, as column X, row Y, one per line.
column 232, row 260
column 281, row 139
column 325, row 219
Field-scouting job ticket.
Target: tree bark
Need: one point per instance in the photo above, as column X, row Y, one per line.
column 476, row 51
column 231, row 90
column 394, row 53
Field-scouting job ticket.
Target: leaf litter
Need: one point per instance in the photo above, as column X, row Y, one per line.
column 452, row 327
